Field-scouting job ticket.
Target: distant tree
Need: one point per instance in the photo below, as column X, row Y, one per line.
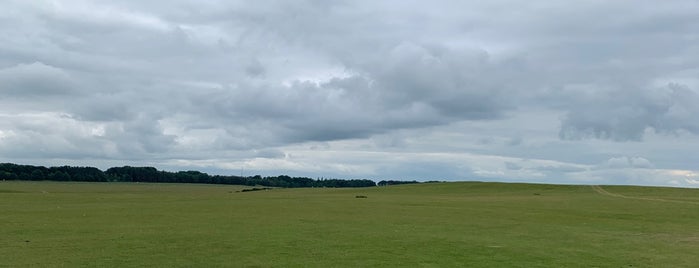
column 9, row 171
column 4, row 175
column 37, row 175
column 59, row 176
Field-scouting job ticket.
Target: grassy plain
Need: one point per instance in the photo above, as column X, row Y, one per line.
column 469, row 224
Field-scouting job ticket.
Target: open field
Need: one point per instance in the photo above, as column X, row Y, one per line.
column 427, row 225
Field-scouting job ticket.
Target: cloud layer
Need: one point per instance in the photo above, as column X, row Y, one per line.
column 580, row 92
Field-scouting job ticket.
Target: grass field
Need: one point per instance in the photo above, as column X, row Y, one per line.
column 470, row 224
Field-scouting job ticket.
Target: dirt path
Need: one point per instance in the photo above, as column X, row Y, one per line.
column 602, row 191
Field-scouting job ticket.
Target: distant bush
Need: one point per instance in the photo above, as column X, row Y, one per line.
column 392, row 182
column 256, row 189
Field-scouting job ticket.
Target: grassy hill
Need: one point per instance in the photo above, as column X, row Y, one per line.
column 465, row 224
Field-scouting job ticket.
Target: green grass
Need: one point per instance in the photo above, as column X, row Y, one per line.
column 49, row 224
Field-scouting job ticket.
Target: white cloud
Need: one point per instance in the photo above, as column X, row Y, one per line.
column 627, row 162
column 88, row 12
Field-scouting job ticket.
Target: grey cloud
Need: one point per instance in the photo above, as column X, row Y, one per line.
column 35, row 80
column 512, row 166
column 561, row 169
column 143, row 135
column 624, row 114
column 104, row 108
column 515, row 141
column 455, row 83
column 337, row 109
column 416, row 89
column 240, row 80
column 269, row 153
column 255, row 69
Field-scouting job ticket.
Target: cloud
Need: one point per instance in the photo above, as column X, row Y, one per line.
column 85, row 13
column 35, row 80
column 512, row 166
column 552, row 92
column 51, row 135
column 558, row 169
column 624, row 115
column 627, row 162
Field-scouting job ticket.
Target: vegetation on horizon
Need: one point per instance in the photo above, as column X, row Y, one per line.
column 9, row 171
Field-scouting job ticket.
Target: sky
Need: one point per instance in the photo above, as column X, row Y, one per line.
column 581, row 92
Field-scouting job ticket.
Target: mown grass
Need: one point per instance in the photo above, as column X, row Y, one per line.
column 428, row 225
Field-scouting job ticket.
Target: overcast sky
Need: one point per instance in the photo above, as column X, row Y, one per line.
column 582, row 92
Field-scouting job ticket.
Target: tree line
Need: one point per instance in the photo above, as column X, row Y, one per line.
column 9, row 171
